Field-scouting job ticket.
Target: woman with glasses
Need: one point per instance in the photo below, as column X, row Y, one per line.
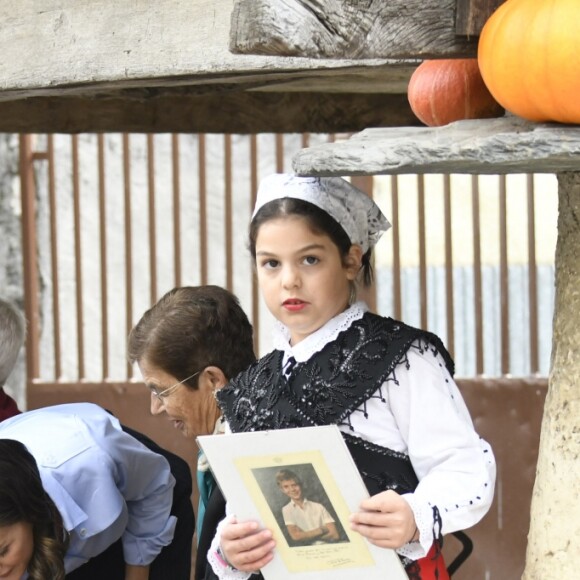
column 188, row 345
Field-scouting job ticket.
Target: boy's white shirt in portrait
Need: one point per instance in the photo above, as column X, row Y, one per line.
column 456, row 468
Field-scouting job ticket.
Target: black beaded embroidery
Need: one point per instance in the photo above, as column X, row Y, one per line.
column 381, row 468
column 325, row 389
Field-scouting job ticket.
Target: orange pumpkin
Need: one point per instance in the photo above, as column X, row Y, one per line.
column 442, row 91
column 529, row 56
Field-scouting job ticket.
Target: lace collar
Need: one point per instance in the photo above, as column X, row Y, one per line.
column 319, row 339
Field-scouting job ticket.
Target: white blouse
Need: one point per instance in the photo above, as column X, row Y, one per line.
column 418, row 411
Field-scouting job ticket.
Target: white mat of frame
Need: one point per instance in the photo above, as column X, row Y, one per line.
column 245, row 466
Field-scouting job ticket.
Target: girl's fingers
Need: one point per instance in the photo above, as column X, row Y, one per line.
column 370, row 518
column 380, row 536
column 236, row 531
column 385, row 501
column 256, row 558
column 245, row 547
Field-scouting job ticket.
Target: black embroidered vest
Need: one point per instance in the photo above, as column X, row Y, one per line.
column 328, row 387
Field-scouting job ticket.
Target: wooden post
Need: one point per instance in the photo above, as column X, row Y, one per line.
column 471, row 15
column 29, row 251
column 554, row 542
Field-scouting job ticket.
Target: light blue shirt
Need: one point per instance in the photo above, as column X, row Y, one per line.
column 105, row 483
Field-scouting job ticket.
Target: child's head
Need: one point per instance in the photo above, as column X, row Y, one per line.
column 312, row 239
column 289, row 483
column 330, row 205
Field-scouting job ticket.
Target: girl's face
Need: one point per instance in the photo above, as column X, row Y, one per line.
column 16, row 546
column 301, row 274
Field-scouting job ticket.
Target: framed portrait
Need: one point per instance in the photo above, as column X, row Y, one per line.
column 302, row 484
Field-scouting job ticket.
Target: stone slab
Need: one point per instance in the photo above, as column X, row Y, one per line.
column 491, row 146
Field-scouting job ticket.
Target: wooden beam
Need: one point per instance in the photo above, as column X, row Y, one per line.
column 72, row 47
column 504, row 145
column 346, row 29
column 227, row 112
column 473, row 14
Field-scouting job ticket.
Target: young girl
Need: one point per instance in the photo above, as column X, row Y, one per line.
column 388, row 386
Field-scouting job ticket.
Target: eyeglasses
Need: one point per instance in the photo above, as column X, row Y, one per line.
column 160, row 395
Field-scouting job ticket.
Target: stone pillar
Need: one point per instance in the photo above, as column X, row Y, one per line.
column 554, row 539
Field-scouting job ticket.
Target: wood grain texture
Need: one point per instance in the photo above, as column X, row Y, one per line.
column 353, row 29
column 226, row 112
column 61, row 47
column 473, row 14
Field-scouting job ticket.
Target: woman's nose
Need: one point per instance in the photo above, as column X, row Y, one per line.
column 156, row 405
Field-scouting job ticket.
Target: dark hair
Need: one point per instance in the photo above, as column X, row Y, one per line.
column 319, row 222
column 287, row 475
column 193, row 327
column 23, row 499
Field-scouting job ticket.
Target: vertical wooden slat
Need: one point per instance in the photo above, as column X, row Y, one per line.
column 305, row 140
column 53, row 208
column 471, row 15
column 533, row 278
column 477, row 279
column 397, row 294
column 29, row 251
column 202, row 209
column 78, row 255
column 449, row 288
column 152, row 218
column 103, row 245
column 255, row 289
column 422, row 251
column 504, row 278
column 279, row 153
column 229, row 238
column 128, row 241
column 175, row 170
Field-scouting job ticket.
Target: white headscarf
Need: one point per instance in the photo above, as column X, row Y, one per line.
column 354, row 210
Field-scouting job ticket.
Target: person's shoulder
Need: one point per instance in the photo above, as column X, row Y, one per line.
column 53, row 435
column 268, row 361
column 416, row 340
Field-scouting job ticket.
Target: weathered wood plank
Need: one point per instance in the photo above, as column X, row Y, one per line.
column 353, row 29
column 57, row 46
column 473, row 14
column 504, row 145
column 226, row 112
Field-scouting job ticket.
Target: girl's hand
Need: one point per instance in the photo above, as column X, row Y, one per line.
column 386, row 520
column 245, row 547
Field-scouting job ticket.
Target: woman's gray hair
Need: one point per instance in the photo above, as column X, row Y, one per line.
column 12, row 334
